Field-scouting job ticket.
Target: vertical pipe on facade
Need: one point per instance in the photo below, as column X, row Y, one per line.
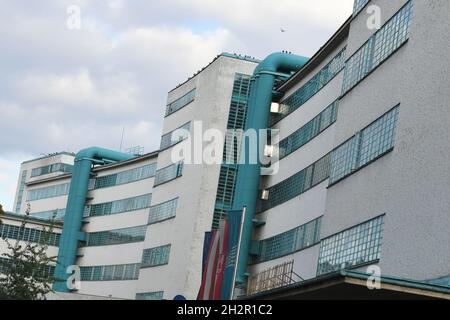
column 71, row 232
column 248, row 179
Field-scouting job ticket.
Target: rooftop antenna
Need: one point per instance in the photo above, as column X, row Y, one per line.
column 121, row 140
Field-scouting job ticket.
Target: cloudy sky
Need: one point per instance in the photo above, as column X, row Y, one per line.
column 64, row 89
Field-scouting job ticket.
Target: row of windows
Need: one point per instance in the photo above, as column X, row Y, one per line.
column 367, row 145
column 8, row 231
column 358, row 245
column 110, row 273
column 225, row 191
column 308, row 90
column 124, row 177
column 180, row 103
column 163, row 211
column 297, row 184
column 289, row 242
column 21, row 190
column 168, row 173
column 308, row 131
column 175, row 136
column 57, row 214
column 56, row 167
column 119, row 206
column 158, row 295
column 378, row 48
column 49, row 192
column 358, row 5
column 156, row 256
column 6, row 265
column 119, row 236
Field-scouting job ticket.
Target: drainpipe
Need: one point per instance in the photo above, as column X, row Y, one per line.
column 71, row 233
column 248, row 179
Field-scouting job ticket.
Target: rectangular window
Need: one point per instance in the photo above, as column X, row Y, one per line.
column 180, row 103
column 120, row 206
column 358, row 5
column 21, row 190
column 352, row 247
column 308, row 90
column 127, row 176
column 57, row 214
column 175, row 136
column 163, row 211
column 156, row 256
column 114, row 237
column 378, row 48
column 150, row 295
column 289, row 242
column 8, row 231
column 367, row 145
column 168, row 173
column 49, row 192
column 52, row 168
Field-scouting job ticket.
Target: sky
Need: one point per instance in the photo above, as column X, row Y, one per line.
column 65, row 89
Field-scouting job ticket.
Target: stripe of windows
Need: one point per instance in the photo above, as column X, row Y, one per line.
column 6, row 266
column 157, row 295
column 309, row 131
column 172, row 138
column 110, row 273
column 21, row 190
column 356, row 246
column 13, row 232
column 119, row 206
column 52, row 168
column 180, row 103
column 49, row 192
column 225, row 193
column 57, row 214
column 359, row 5
column 156, row 256
column 115, row 237
column 124, row 177
column 168, row 173
column 378, row 48
column 163, row 211
column 297, row 184
column 288, row 242
column 308, row 90
column 364, row 147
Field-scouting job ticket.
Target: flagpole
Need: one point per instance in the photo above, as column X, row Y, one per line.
column 238, row 252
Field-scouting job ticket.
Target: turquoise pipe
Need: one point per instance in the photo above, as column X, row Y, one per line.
column 258, row 111
column 71, row 232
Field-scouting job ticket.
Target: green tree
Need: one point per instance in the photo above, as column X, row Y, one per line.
column 25, row 267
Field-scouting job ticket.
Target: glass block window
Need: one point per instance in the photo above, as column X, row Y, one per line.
column 120, row 206
column 163, row 211
column 297, row 184
column 23, row 178
column 150, row 295
column 169, row 173
column 127, row 176
column 49, row 192
column 358, row 5
column 156, row 256
column 119, row 236
column 56, row 167
column 352, row 247
column 289, row 242
column 308, row 131
column 6, row 266
column 110, row 273
column 367, row 145
column 8, row 231
column 308, row 90
column 57, row 214
column 180, row 103
column 175, row 136
column 378, row 48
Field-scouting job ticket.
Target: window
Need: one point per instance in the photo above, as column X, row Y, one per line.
column 175, row 136
column 358, row 5
column 120, row 206
column 289, row 242
column 378, row 48
column 119, row 236
column 308, row 90
column 56, row 167
column 21, row 189
column 297, row 184
column 180, row 103
column 355, row 246
column 46, row 272
column 8, row 231
column 150, row 295
column 169, row 173
column 57, row 215
column 308, row 131
column 119, row 272
column 367, row 145
column 49, row 192
column 163, row 211
column 124, row 177
column 156, row 256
